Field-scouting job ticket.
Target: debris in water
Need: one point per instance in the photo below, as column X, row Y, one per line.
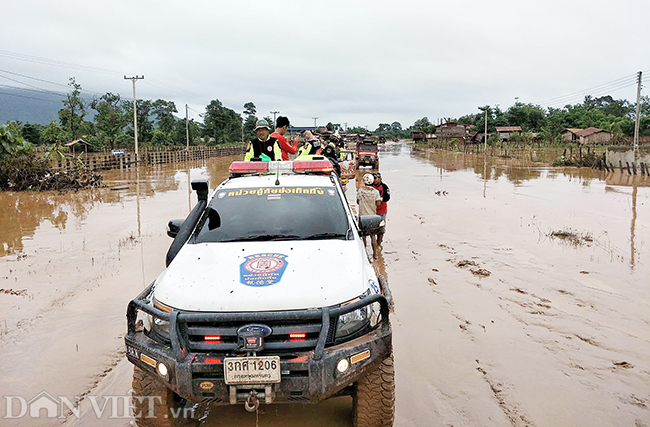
column 465, row 263
column 481, row 272
column 20, row 293
column 623, row 364
column 572, row 237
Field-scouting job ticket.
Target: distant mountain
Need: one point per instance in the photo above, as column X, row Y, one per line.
column 33, row 106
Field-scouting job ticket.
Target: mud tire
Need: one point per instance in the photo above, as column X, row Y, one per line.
column 373, row 401
column 146, row 384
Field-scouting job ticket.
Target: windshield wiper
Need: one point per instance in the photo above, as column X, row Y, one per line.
column 324, row 236
column 264, row 237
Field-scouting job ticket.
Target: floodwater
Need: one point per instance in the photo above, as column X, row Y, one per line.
column 522, row 293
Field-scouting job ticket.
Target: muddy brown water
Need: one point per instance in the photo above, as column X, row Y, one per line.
column 521, row 292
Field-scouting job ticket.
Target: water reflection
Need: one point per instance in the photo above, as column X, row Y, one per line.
column 518, row 172
column 22, row 213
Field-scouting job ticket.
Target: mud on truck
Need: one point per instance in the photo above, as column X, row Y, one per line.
column 268, row 297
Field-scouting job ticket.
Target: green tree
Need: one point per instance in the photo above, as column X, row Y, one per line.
column 110, row 119
column 145, row 125
column 530, row 117
column 73, row 112
column 221, row 123
column 32, row 132
column 422, row 123
column 179, row 134
column 249, row 127
column 383, row 128
column 164, row 113
column 52, row 133
column 249, row 109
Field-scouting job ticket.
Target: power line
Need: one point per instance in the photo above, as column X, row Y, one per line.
column 54, row 62
column 33, row 90
column 27, row 84
column 30, row 97
column 596, row 91
column 617, row 81
column 44, row 81
column 602, row 92
column 178, row 90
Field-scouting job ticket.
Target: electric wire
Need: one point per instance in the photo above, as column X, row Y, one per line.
column 595, row 91
column 55, row 63
column 27, row 84
column 571, row 95
column 31, row 97
column 45, row 81
column 580, row 98
column 32, row 90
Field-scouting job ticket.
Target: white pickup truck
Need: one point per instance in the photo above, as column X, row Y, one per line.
column 268, row 297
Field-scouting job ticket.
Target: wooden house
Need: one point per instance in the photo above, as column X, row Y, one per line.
column 570, row 134
column 594, row 136
column 506, row 131
column 451, row 130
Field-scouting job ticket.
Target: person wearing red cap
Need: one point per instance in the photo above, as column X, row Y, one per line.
column 281, row 128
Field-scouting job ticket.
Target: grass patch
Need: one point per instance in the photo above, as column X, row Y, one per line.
column 571, row 237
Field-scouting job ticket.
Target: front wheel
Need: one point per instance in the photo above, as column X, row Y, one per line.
column 373, row 401
column 155, row 405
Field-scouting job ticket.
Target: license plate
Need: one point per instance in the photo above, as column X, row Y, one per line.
column 251, row 370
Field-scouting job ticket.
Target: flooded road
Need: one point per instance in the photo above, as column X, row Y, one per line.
column 522, row 293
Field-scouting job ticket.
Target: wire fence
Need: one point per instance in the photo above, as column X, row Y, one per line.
column 122, row 159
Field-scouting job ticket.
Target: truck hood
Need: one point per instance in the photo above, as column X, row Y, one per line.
column 268, row 276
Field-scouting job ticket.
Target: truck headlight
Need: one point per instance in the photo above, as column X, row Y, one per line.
column 353, row 321
column 160, row 327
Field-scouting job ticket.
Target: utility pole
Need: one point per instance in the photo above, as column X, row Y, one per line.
column 187, row 126
column 274, row 113
column 485, row 135
column 315, row 118
column 135, row 115
column 636, row 122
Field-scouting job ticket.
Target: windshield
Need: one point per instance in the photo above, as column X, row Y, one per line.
column 367, row 147
column 278, row 213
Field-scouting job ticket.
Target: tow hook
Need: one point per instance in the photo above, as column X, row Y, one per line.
column 251, row 403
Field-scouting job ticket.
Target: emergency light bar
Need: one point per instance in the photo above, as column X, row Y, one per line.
column 297, row 166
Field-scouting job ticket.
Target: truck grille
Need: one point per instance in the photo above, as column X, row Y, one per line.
column 222, row 337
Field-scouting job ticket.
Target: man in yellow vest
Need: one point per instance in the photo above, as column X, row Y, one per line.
column 263, row 147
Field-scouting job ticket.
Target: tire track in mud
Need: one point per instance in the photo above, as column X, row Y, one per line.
column 117, row 356
column 499, row 389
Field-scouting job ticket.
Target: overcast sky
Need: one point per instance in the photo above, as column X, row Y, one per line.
column 356, row 62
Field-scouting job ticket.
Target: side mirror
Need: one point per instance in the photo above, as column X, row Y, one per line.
column 173, row 226
column 368, row 224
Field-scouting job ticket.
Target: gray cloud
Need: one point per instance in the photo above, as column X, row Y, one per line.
column 360, row 62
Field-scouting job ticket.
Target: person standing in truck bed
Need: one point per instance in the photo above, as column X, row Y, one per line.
column 281, row 127
column 263, row 146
